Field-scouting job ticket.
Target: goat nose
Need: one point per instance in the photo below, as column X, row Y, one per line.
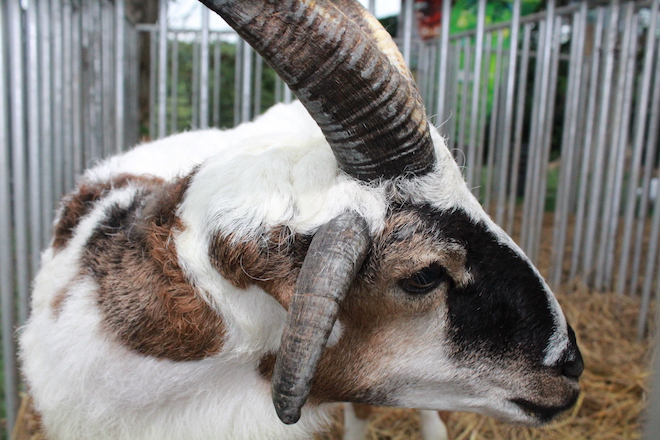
column 572, row 365
column 572, row 369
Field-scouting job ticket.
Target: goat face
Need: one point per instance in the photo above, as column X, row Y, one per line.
column 444, row 315
column 439, row 309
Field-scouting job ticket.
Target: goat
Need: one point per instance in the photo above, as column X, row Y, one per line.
column 238, row 284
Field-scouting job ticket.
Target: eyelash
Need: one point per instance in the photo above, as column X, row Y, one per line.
column 424, row 281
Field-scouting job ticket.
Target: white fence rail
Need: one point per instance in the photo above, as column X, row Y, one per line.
column 555, row 117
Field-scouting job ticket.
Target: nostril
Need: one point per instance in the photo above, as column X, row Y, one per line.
column 572, row 369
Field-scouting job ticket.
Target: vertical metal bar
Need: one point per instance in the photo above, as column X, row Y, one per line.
column 613, row 151
column 15, row 38
column 7, row 269
column 46, row 106
column 57, row 99
column 162, row 69
column 452, row 94
column 601, row 138
column 204, row 72
column 443, row 67
column 195, row 82
column 483, row 112
column 258, row 72
column 108, row 41
column 238, row 68
column 531, row 173
column 622, row 141
column 518, row 129
column 462, row 122
column 120, row 60
column 494, row 122
column 153, row 84
column 33, row 137
column 508, row 110
column 407, row 29
column 583, row 188
column 91, row 75
column 174, row 84
column 288, row 95
column 246, row 82
column 649, row 161
column 640, row 128
column 217, row 60
column 547, row 130
column 471, row 179
column 573, row 93
column 649, row 273
column 372, row 7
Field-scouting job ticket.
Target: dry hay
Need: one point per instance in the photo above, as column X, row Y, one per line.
column 614, row 385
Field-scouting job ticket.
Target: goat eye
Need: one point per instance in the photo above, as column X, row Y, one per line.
column 423, row 281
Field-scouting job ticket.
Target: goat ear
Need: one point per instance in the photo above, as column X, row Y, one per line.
column 334, row 257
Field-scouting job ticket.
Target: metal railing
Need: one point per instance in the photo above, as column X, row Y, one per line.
column 554, row 116
column 67, row 74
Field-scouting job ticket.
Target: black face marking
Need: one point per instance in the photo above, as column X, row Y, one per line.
column 505, row 309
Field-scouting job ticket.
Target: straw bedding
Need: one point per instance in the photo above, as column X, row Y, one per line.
column 614, row 385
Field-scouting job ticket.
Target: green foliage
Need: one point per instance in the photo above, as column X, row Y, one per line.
column 220, row 114
column 464, row 12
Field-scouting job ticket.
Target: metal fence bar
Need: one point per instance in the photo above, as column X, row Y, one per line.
column 120, row 84
column 33, row 136
column 482, row 111
column 18, row 152
column 162, row 69
column 443, row 67
column 46, row 107
column 494, row 143
column 518, row 129
column 639, row 131
column 581, row 215
column 470, row 152
column 7, row 268
column 596, row 195
column 568, row 156
column 204, row 72
column 508, row 111
column 624, row 134
column 614, row 151
column 174, row 84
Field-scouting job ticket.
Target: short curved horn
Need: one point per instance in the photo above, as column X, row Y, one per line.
column 368, row 107
column 334, row 257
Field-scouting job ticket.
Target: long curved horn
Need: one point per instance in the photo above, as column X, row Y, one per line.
column 368, row 107
column 335, row 255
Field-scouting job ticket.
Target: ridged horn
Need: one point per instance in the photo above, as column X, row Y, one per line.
column 335, row 255
column 348, row 75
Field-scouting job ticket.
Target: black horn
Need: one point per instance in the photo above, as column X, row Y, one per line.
column 334, row 257
column 347, row 72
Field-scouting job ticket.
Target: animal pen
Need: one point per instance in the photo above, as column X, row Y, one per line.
column 554, row 117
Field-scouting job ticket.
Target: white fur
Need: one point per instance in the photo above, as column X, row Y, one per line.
column 89, row 386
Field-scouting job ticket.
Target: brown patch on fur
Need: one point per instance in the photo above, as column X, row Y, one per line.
column 75, row 206
column 272, row 262
column 267, row 365
column 362, row 411
column 147, row 303
column 57, row 303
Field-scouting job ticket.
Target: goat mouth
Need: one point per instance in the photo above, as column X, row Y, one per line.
column 544, row 413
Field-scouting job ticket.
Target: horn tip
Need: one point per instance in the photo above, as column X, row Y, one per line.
column 288, row 408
